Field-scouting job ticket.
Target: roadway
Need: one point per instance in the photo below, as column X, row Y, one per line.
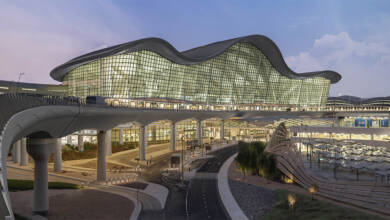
column 199, row 200
column 203, row 197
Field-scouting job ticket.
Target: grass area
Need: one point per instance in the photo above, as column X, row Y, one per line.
column 19, row 217
column 305, row 208
column 22, row 185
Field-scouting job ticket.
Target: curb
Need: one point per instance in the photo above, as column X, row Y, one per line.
column 149, row 192
column 227, row 198
column 51, row 174
column 137, row 204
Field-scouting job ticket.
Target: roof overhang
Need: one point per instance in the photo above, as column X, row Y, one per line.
column 193, row 56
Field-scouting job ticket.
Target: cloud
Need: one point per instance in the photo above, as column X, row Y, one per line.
column 303, row 21
column 364, row 65
column 37, row 39
column 304, row 62
column 341, row 46
column 384, row 60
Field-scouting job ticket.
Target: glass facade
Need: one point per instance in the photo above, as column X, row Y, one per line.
column 364, row 122
column 160, row 131
column 240, row 75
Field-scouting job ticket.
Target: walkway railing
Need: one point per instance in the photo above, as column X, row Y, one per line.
column 367, row 195
column 15, row 102
column 163, row 104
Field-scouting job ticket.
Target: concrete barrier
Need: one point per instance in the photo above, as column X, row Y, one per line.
column 228, row 200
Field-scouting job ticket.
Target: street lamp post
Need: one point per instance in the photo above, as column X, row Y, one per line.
column 137, row 175
column 182, row 158
column 20, row 76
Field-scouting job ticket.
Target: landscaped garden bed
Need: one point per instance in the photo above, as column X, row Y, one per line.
column 71, row 152
column 23, row 185
column 306, row 208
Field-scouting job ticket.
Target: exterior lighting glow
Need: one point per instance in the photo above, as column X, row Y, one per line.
column 28, row 89
column 313, row 190
column 291, row 201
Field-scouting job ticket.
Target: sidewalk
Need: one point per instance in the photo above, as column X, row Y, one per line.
column 153, row 197
column 227, row 198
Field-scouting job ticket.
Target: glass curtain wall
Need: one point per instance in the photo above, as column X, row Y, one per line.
column 240, row 75
column 159, row 132
column 186, row 128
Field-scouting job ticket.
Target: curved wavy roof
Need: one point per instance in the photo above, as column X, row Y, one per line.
column 194, row 56
column 353, row 100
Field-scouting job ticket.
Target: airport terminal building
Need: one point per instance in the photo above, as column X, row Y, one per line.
column 232, row 90
column 245, row 73
column 242, row 71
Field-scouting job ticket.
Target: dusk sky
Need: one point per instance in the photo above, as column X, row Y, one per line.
column 350, row 37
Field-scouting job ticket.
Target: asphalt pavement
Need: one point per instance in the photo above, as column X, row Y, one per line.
column 175, row 208
column 203, row 198
column 199, row 200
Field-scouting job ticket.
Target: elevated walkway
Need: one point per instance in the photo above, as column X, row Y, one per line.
column 343, row 130
column 363, row 194
column 60, row 116
column 327, row 140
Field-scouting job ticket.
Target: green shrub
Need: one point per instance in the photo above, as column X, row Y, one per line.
column 88, row 146
column 71, row 152
column 62, row 185
column 252, row 158
column 22, row 185
column 70, row 147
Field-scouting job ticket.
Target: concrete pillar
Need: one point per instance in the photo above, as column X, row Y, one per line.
column 173, row 136
column 13, row 152
column 69, row 139
column 58, row 156
column 16, row 152
column 23, row 153
column 120, row 136
column 80, row 142
column 142, row 142
column 102, row 152
column 108, row 143
column 199, row 132
column 40, row 150
column 222, row 130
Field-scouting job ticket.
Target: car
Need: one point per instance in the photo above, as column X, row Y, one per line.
column 95, row 100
